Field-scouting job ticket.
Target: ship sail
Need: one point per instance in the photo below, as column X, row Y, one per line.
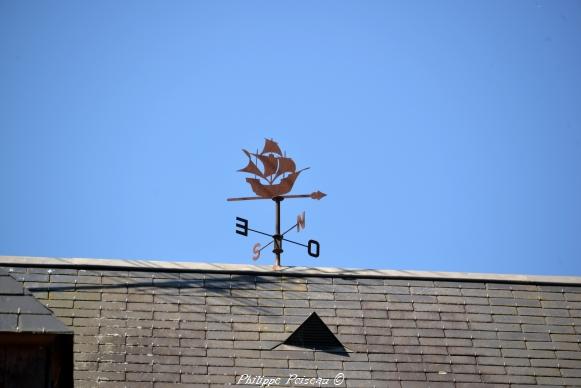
column 251, row 167
column 270, row 164
column 285, row 165
column 270, row 146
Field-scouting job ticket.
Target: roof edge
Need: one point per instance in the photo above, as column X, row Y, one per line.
column 168, row 266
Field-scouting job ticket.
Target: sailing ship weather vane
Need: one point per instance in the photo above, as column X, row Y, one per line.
column 274, row 181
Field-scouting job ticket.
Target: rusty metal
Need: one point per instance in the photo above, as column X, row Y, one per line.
column 301, row 221
column 273, row 177
column 256, row 251
column 314, row 195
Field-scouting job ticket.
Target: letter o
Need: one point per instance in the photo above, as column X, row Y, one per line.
column 314, row 243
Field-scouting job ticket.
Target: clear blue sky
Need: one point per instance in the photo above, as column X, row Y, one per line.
column 447, row 134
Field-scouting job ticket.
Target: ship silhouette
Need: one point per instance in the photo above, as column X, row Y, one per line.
column 275, row 166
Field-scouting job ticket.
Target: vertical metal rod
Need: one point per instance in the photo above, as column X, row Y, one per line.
column 277, row 236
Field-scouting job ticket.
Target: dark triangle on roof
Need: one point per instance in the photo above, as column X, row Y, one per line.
column 314, row 334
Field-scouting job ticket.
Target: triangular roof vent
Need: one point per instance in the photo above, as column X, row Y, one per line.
column 315, row 335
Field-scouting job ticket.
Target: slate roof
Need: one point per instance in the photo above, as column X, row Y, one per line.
column 159, row 324
column 20, row 312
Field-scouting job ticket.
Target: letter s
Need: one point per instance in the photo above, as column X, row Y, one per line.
column 256, row 250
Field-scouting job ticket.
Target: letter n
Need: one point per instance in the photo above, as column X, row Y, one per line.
column 301, row 221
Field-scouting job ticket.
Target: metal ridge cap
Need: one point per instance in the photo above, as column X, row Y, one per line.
column 176, row 266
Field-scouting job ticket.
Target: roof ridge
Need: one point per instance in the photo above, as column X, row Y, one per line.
column 168, row 266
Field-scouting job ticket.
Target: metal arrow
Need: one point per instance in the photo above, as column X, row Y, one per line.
column 314, row 195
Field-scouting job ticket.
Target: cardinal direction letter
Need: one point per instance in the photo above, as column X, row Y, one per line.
column 301, row 221
column 242, row 226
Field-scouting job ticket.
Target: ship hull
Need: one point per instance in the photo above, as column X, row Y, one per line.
column 271, row 191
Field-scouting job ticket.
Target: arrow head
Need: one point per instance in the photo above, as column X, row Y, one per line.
column 318, row 195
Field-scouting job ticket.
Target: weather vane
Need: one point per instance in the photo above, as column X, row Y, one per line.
column 274, row 181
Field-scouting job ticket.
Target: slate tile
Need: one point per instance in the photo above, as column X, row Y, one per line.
column 41, row 323
column 513, row 344
column 401, row 323
column 112, row 348
column 478, row 317
column 488, row 352
column 545, row 381
column 448, row 325
column 493, row 293
column 353, row 330
column 328, row 288
column 530, row 311
column 473, row 334
column 547, row 372
column 8, row 322
column 572, row 294
column 378, row 305
column 31, row 277
column 549, row 312
column 402, row 307
column 364, row 296
column 451, row 299
column 343, row 313
column 347, row 297
column 557, row 329
column 343, row 288
column 463, row 368
column 568, row 355
column 372, row 289
column 567, row 372
column 61, row 271
column 58, row 278
column 525, row 336
column 533, row 294
column 520, row 371
column 530, row 353
column 391, row 298
column 26, row 270
column 344, row 280
column 394, row 289
column 99, row 375
column 476, row 300
column 317, row 280
column 192, row 291
column 479, row 293
column 24, row 304
column 319, row 364
column 246, row 336
column 9, row 286
column 572, row 381
column 85, row 348
column 371, row 348
column 458, row 284
column 279, row 286
column 464, row 359
column 125, row 384
column 508, row 379
column 451, row 308
column 507, row 301
column 86, row 357
column 86, row 366
column 492, row 369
